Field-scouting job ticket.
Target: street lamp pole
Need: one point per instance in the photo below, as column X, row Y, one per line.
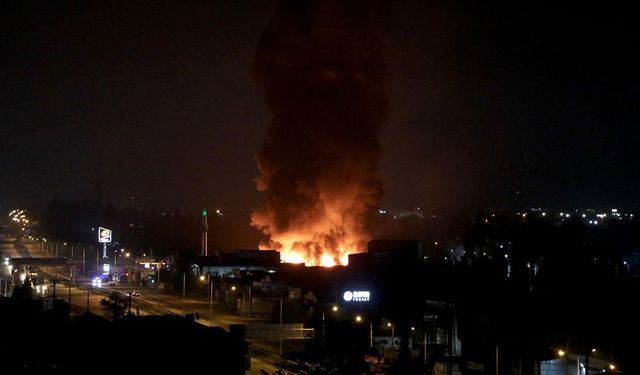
column 158, row 287
column 323, row 328
column 210, row 299
column 205, row 229
column 130, row 293
column 370, row 335
column 393, row 334
column 578, row 364
column 184, row 290
column 425, row 345
column 280, row 326
column 70, row 280
column 242, row 307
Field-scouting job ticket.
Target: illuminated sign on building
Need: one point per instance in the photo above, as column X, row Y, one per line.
column 357, row 296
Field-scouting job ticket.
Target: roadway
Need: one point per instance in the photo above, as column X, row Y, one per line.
column 264, row 354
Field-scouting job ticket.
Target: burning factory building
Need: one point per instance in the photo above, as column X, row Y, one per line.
column 321, row 67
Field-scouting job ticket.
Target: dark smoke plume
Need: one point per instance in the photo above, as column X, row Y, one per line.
column 321, row 66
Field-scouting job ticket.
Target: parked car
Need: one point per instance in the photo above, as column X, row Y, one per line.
column 135, row 293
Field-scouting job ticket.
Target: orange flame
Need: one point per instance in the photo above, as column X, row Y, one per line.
column 323, row 237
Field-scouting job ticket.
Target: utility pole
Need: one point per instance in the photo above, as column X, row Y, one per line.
column 84, row 271
column 280, row 326
column 130, row 302
column 586, row 359
column 184, row 290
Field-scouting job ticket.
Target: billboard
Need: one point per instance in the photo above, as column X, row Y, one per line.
column 276, row 289
column 104, row 235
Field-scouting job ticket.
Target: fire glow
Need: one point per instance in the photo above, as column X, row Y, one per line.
column 321, row 67
column 316, row 240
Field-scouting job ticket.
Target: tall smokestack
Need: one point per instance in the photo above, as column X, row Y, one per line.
column 321, row 66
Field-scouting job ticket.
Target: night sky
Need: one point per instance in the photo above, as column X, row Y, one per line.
column 490, row 105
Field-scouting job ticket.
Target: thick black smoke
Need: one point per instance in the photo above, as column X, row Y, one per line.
column 321, row 65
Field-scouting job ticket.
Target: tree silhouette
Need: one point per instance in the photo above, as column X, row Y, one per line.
column 115, row 306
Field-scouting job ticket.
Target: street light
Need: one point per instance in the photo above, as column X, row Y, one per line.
column 334, row 309
column 393, row 334
column 210, row 288
column 158, row 267
column 359, row 320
